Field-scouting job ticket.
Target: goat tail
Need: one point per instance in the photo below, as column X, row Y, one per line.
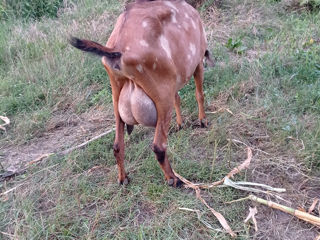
column 93, row 47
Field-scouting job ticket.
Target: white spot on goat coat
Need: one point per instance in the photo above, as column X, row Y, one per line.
column 139, row 68
column 193, row 24
column 185, row 26
column 178, row 80
column 144, row 43
column 173, row 16
column 204, row 33
column 165, row 45
column 144, row 24
column 154, row 66
column 192, row 48
column 171, row 5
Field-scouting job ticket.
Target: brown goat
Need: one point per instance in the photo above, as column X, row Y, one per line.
column 153, row 51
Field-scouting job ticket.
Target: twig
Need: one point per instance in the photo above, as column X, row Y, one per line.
column 10, row 190
column 8, row 235
column 299, row 214
column 313, row 205
column 201, row 220
column 221, row 110
column 237, row 200
column 67, row 151
column 43, row 156
column 257, row 149
column 234, row 171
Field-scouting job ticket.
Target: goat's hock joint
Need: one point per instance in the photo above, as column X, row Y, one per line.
column 153, row 51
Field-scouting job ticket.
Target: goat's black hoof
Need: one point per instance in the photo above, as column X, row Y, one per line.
column 178, row 127
column 124, row 182
column 204, row 123
column 175, row 182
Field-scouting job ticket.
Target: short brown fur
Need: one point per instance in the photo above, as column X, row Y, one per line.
column 153, row 51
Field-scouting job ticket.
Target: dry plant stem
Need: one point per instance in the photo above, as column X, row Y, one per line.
column 299, row 214
column 234, row 171
column 221, row 110
column 43, row 156
column 313, row 205
column 201, row 220
column 8, row 234
column 69, row 150
column 197, row 187
column 239, row 185
column 218, row 215
column 10, row 190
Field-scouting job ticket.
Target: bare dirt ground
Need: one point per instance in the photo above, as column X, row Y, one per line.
column 62, row 131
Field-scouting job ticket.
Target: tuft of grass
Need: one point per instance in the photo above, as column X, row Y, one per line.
column 40, row 72
column 27, row 10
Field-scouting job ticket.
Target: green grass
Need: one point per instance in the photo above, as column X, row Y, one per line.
column 272, row 88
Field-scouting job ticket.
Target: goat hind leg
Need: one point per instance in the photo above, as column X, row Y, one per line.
column 118, row 151
column 159, row 145
column 198, row 78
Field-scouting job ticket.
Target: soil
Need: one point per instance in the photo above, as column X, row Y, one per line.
column 62, row 132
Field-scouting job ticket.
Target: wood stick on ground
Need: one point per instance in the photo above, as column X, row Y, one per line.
column 69, row 150
column 299, row 214
column 10, row 190
column 43, row 156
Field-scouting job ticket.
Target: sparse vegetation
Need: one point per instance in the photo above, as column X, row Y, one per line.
column 272, row 90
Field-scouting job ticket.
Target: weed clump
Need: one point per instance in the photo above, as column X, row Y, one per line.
column 33, row 9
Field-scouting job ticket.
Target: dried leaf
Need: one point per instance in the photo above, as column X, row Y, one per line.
column 313, row 205
column 251, row 215
column 218, row 215
column 197, row 187
column 6, row 122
